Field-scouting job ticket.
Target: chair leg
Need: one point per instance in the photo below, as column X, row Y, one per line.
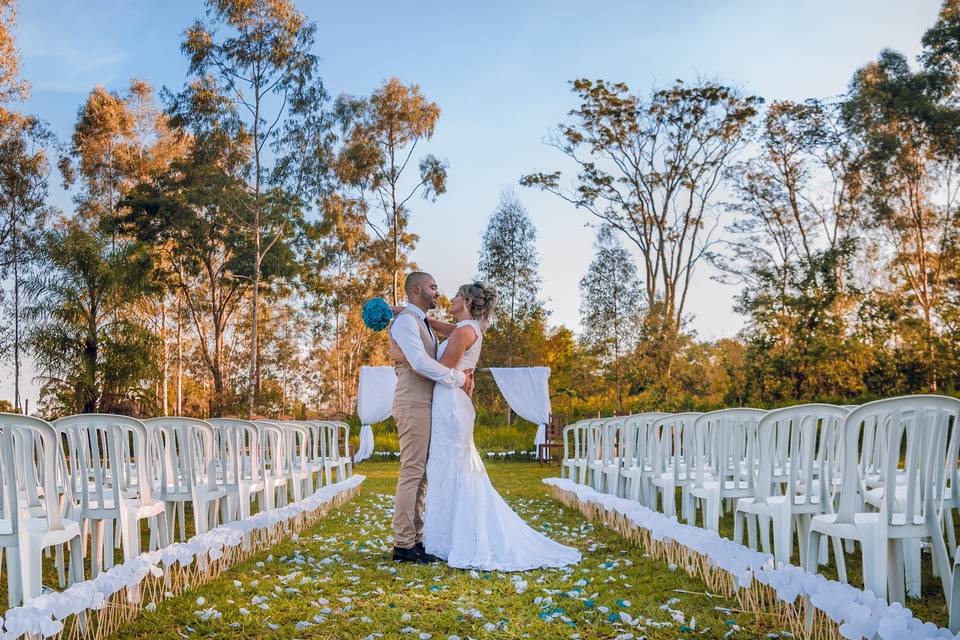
column 96, row 547
column 711, row 515
column 895, row 571
column 839, row 560
column 61, row 575
column 738, row 518
column 752, row 522
column 108, row 560
column 873, row 549
column 951, row 532
column 764, row 523
column 910, row 549
column 783, row 536
column 14, row 582
column 803, row 533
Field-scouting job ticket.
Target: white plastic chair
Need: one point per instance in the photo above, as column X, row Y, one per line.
column 114, row 467
column 636, row 468
column 298, row 472
column 188, row 472
column 919, row 429
column 805, row 485
column 725, row 458
column 574, row 463
column 673, row 461
column 606, row 469
column 276, row 462
column 240, row 470
column 330, row 445
column 594, row 436
column 31, row 516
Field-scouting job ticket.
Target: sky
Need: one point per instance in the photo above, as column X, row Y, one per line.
column 500, row 72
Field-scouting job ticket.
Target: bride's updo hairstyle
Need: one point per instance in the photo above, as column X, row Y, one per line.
column 480, row 301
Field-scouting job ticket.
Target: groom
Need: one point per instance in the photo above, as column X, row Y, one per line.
column 412, row 405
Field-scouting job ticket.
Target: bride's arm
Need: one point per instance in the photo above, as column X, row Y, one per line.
column 443, row 328
column 460, row 340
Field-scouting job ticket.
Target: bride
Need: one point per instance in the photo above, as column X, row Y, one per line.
column 466, row 522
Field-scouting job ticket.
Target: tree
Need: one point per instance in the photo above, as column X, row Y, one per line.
column 611, row 305
column 92, row 352
column 909, row 171
column 253, row 58
column 650, row 169
column 381, row 134
column 24, row 180
column 793, row 244
column 509, row 263
column 340, row 275
column 187, row 214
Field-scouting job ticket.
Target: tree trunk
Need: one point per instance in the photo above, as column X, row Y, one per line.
column 165, row 371
column 179, row 356
column 16, row 316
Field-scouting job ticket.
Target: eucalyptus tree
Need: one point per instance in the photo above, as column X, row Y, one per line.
column 611, row 305
column 381, row 134
column 651, row 169
column 254, row 59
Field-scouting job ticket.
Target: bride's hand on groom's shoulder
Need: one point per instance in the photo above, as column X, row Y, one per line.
column 397, row 310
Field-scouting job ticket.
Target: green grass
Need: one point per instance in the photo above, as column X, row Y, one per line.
column 338, row 577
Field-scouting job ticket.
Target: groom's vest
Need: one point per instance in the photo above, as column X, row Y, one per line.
column 412, row 388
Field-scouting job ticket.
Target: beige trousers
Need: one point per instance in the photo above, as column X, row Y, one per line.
column 413, row 429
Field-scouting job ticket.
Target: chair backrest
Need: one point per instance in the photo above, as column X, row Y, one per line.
column 238, row 450
column 329, row 439
column 188, row 452
column 594, row 438
column 794, row 443
column 110, row 455
column 273, row 449
column 29, row 454
column 916, row 440
column 725, row 445
column 344, row 437
column 671, row 443
column 574, row 440
column 611, row 440
column 635, row 437
column 296, row 438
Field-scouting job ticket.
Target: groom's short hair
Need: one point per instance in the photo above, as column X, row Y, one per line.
column 414, row 278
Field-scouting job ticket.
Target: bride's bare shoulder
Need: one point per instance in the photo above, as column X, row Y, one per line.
column 466, row 332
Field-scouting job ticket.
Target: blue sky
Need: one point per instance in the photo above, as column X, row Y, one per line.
column 499, row 71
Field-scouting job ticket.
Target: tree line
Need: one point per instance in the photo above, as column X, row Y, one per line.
column 224, row 235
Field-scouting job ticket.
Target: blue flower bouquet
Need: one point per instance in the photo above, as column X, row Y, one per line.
column 377, row 314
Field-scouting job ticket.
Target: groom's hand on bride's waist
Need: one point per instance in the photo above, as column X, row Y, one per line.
column 468, row 382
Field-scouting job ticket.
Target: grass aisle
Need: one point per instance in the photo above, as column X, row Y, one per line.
column 336, row 581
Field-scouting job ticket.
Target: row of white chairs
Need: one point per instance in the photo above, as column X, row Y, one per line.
column 96, row 477
column 883, row 475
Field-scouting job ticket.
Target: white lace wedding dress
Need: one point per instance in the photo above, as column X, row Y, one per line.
column 466, row 522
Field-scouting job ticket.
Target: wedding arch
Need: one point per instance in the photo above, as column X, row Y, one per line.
column 526, row 390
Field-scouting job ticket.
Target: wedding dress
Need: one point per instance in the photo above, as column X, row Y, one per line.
column 466, row 522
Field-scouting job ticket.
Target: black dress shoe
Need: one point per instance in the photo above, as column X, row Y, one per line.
column 424, row 556
column 409, row 554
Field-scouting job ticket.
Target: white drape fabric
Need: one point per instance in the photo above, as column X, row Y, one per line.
column 527, row 391
column 374, row 404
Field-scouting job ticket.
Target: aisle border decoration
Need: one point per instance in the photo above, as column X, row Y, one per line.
column 807, row 604
column 97, row 608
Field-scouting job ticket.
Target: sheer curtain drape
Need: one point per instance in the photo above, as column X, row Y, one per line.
column 374, row 404
column 527, row 391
